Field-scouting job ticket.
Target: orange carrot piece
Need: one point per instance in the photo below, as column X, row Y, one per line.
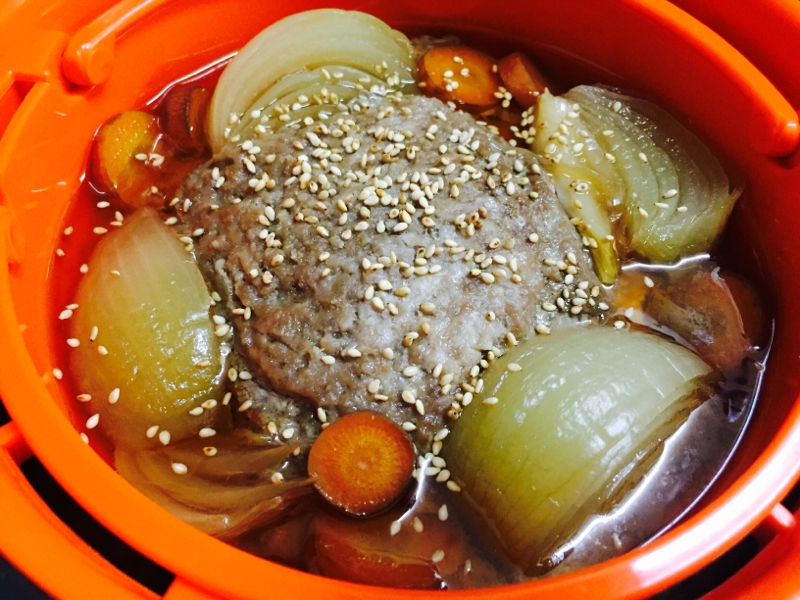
column 461, row 74
column 114, row 166
column 183, row 116
column 630, row 290
column 364, row 551
column 521, row 77
column 362, row 463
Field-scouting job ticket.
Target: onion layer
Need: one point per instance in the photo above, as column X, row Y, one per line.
column 345, row 52
column 623, row 164
column 210, row 495
column 572, row 431
column 148, row 352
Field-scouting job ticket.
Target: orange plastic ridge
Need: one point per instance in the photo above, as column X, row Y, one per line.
column 13, row 443
column 89, row 58
column 35, row 539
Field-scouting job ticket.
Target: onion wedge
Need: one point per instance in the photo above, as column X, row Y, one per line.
column 629, row 173
column 147, row 350
column 325, row 41
column 576, row 419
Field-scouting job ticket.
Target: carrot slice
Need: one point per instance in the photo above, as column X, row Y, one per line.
column 114, row 163
column 460, row 74
column 521, row 77
column 364, row 551
column 183, row 117
column 362, row 463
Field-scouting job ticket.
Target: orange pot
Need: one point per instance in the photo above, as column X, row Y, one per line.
column 65, row 67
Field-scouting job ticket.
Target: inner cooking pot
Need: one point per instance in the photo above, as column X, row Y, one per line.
column 66, row 68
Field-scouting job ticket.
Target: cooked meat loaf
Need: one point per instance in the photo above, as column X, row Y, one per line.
column 379, row 260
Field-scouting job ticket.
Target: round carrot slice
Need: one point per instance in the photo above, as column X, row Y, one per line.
column 362, row 463
column 116, row 159
column 521, row 77
column 183, row 115
column 460, row 74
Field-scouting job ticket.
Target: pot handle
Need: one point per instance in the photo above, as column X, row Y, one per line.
column 36, row 541
column 760, row 31
column 773, row 571
column 89, row 57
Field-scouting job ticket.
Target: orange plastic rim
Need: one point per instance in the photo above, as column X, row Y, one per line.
column 132, row 49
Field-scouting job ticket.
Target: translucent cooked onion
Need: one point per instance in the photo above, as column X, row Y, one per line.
column 148, row 351
column 342, row 42
column 623, row 164
column 572, row 431
column 589, row 187
column 677, row 160
column 215, row 494
column 306, row 94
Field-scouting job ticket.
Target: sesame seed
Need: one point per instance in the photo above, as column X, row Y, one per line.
column 453, row 486
column 619, row 324
column 420, row 407
column 427, row 308
column 152, row 431
column 511, row 339
column 648, row 282
column 207, row 432
column 643, row 212
column 682, row 209
column 210, row 451
column 542, row 329
column 92, row 421
column 179, row 468
column 164, row 437
column 113, row 397
column 374, row 386
column 245, row 405
column 288, row 433
column 102, row 350
column 410, row 371
column 669, row 194
column 438, row 556
column 388, row 353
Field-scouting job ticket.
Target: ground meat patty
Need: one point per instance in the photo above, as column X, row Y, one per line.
column 374, row 260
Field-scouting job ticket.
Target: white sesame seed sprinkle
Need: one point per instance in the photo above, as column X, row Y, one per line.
column 179, row 468
column 113, row 397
